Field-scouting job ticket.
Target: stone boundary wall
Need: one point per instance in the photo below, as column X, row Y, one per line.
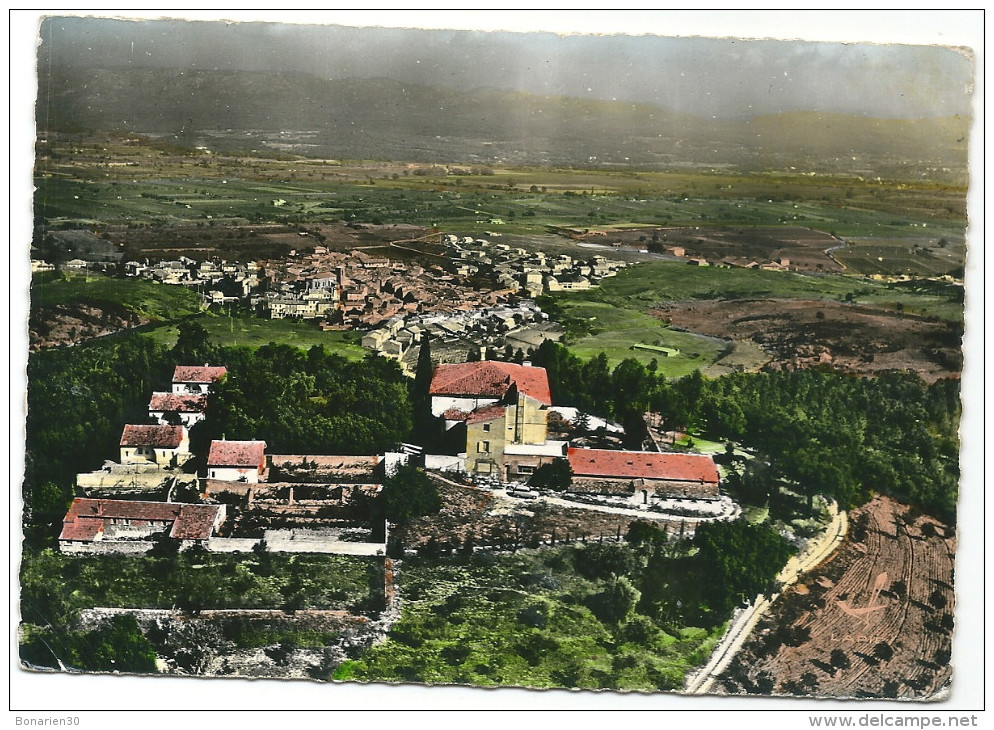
column 325, row 468
column 658, row 488
column 107, row 547
column 293, row 544
column 127, row 482
column 322, row 461
column 296, row 544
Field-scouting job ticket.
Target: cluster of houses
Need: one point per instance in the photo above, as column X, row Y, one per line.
column 360, row 291
column 488, row 327
column 529, row 274
column 732, row 262
column 150, row 454
column 219, row 282
column 396, row 302
column 153, row 458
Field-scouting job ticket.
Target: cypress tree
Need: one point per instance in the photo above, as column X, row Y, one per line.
column 424, row 427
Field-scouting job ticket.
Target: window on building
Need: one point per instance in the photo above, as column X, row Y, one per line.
column 486, row 426
column 483, row 447
column 525, row 469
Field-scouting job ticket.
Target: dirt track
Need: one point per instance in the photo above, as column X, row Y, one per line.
column 491, row 518
column 742, row 625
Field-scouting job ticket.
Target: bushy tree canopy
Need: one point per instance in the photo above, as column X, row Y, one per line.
column 310, row 403
column 736, row 560
column 557, row 474
column 829, row 433
column 409, row 493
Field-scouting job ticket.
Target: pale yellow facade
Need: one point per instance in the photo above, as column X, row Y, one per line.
column 523, row 422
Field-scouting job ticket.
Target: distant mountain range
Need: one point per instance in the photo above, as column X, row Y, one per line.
column 388, row 119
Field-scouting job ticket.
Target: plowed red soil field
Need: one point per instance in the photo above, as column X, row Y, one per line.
column 875, row 620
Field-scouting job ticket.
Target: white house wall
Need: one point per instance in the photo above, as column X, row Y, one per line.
column 187, row 419
column 441, row 403
column 229, row 474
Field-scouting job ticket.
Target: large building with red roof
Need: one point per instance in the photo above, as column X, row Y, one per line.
column 114, row 525
column 237, row 461
column 469, row 385
column 162, row 445
column 487, row 406
column 643, row 474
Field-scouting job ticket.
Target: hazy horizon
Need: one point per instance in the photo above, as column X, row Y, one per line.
column 706, row 77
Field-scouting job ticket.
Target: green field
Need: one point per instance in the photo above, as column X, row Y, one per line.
column 639, row 288
column 248, row 331
column 616, row 329
column 472, row 210
column 168, row 303
column 524, row 619
column 141, row 184
column 145, row 298
column 615, row 313
column 904, row 256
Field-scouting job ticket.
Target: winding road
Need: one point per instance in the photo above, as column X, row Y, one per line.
column 745, row 620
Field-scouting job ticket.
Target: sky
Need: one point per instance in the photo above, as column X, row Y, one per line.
column 708, row 77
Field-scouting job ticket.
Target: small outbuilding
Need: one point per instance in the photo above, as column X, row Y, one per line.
column 237, row 461
column 161, row 445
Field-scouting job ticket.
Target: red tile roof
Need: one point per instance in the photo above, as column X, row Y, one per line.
column 163, row 437
column 491, row 379
column 179, row 402
column 198, row 373
column 77, row 528
column 85, row 518
column 194, row 522
column 237, row 453
column 489, row 413
column 642, row 465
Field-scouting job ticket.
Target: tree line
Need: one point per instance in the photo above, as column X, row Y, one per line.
column 309, row 402
column 842, row 436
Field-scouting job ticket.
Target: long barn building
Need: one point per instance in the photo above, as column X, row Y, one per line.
column 641, row 475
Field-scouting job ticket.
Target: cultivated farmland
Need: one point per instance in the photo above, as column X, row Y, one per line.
column 875, row 621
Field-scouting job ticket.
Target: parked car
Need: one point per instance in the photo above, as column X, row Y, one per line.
column 522, row 493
